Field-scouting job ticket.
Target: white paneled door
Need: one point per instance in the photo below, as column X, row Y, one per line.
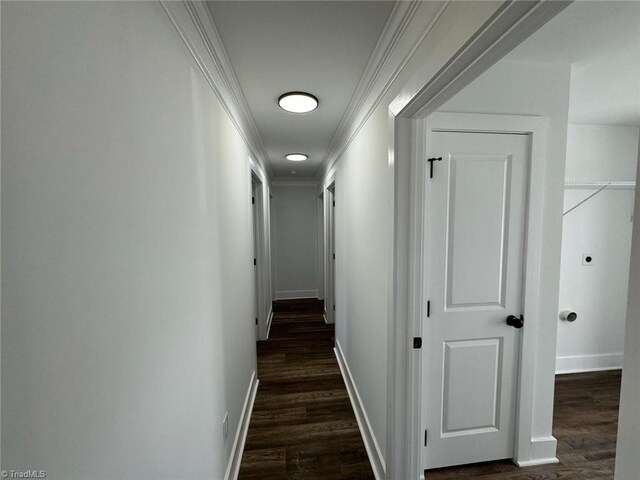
column 473, row 277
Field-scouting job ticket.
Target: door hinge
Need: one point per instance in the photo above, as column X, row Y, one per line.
column 253, row 200
column 256, row 321
column 334, row 308
column 334, row 256
column 431, row 160
column 425, row 437
column 428, row 308
column 334, row 203
column 417, row 342
column 255, row 262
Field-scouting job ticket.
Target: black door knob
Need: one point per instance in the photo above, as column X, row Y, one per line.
column 515, row 322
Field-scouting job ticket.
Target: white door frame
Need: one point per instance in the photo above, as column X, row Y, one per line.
column 429, row 88
column 261, row 226
column 329, row 248
column 535, row 128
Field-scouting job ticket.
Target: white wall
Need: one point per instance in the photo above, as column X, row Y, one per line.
column 295, row 241
column 600, row 227
column 628, row 444
column 361, row 275
column 601, row 152
column 534, row 88
column 126, row 243
column 362, row 216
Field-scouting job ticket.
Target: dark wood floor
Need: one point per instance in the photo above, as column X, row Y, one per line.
column 585, row 423
column 302, row 426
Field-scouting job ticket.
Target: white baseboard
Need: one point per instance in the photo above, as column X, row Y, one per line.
column 233, row 466
column 370, row 443
column 543, row 451
column 293, row 294
column 269, row 319
column 538, row 461
column 588, row 363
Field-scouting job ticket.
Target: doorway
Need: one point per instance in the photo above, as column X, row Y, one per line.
column 476, row 184
column 476, row 188
column 500, row 90
column 261, row 261
column 330, row 255
column 256, row 243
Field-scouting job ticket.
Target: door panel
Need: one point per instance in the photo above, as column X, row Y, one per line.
column 473, row 276
column 471, row 366
column 478, row 221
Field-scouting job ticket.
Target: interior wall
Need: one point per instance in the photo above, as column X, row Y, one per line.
column 295, row 237
column 542, row 89
column 362, row 234
column 126, row 247
column 601, row 227
column 628, row 444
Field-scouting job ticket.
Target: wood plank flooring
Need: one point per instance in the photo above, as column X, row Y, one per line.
column 585, row 423
column 302, row 426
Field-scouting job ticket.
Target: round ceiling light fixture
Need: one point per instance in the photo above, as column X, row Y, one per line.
column 298, row 102
column 296, row 157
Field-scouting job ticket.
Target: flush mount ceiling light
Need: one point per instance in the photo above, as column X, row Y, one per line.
column 296, row 157
column 298, row 102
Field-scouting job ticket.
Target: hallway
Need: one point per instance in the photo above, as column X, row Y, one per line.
column 319, row 240
column 302, row 425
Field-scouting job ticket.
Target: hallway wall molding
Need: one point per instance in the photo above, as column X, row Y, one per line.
column 588, row 363
column 233, row 467
column 406, row 28
column 294, row 294
column 370, row 442
column 196, row 29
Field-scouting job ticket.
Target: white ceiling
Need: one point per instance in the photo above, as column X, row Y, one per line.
column 320, row 47
column 601, row 39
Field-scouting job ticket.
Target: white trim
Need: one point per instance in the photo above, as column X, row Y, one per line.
column 366, row 431
column 588, row 363
column 510, row 24
column 543, row 452
column 233, row 466
column 407, row 26
column 196, row 28
column 261, row 222
column 328, row 247
column 458, row 57
column 324, row 315
column 269, row 320
column 294, row 294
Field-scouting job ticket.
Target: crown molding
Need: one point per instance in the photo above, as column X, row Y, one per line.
column 407, row 26
column 196, row 28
